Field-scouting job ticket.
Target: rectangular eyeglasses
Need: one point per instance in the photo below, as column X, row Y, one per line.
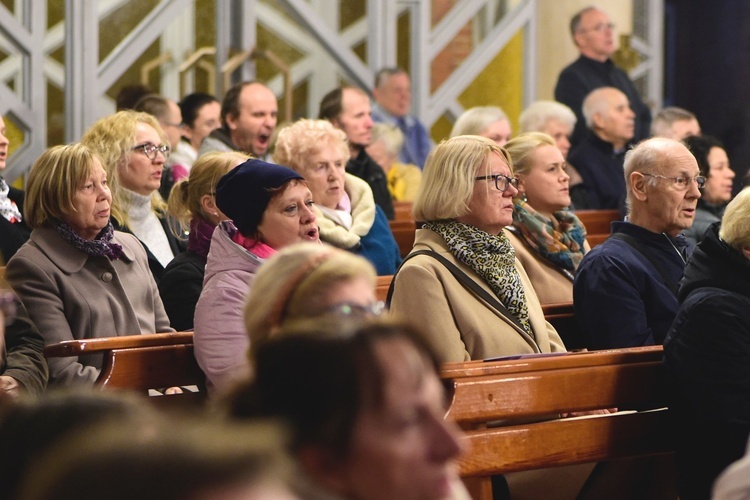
column 501, row 181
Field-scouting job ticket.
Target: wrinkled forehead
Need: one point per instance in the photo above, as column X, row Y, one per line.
column 679, row 162
column 592, row 17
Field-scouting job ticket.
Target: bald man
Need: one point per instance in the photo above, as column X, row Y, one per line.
column 599, row 158
column 625, row 290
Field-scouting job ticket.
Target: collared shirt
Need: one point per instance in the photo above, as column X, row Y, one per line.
column 417, row 143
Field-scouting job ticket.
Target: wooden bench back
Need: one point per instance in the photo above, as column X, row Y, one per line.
column 402, row 209
column 404, row 232
column 542, row 388
column 141, row 362
column 381, row 287
column 597, row 224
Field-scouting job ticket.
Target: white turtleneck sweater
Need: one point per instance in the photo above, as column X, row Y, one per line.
column 147, row 227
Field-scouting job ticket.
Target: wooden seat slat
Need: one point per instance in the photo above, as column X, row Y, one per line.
column 575, row 359
column 565, row 442
column 563, row 390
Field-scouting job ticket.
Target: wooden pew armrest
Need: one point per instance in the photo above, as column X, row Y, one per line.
column 89, row 346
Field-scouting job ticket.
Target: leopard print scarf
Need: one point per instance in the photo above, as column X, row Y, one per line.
column 492, row 258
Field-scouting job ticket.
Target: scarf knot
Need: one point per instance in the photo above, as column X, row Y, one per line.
column 560, row 240
column 101, row 246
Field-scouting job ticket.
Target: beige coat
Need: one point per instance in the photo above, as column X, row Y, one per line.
column 70, row 295
column 550, row 284
column 459, row 325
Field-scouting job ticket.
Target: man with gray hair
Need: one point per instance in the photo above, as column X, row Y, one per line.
column 625, row 290
column 593, row 35
column 675, row 123
column 392, row 95
column 600, row 156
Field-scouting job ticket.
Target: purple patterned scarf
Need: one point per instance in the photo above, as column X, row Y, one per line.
column 101, row 246
column 199, row 239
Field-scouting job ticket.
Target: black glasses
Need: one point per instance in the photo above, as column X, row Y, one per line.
column 682, row 183
column 150, row 150
column 501, row 181
column 349, row 309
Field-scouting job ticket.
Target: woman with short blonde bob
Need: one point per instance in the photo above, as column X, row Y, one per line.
column 462, row 281
column 134, row 149
column 77, row 276
column 344, row 204
column 305, row 281
column 488, row 121
column 192, row 204
column 549, row 240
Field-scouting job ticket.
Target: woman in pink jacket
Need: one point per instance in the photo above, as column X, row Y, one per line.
column 270, row 207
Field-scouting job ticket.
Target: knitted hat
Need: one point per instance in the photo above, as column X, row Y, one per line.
column 243, row 193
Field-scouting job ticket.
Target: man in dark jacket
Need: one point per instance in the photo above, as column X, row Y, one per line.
column 348, row 108
column 625, row 290
column 592, row 33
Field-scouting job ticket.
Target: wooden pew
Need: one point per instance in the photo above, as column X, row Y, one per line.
column 520, row 390
column 142, row 362
column 381, row 287
column 402, row 209
column 562, row 317
column 597, row 223
column 403, row 232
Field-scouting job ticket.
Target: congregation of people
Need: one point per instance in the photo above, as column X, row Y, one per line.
column 266, row 241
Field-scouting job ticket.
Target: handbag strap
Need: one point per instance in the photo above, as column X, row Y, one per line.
column 641, row 249
column 467, row 282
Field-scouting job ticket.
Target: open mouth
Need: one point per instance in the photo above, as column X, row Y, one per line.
column 264, row 139
column 312, row 233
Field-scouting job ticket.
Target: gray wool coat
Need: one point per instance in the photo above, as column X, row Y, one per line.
column 70, row 295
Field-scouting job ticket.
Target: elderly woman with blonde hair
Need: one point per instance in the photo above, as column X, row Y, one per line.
column 77, row 276
column 462, row 280
column 487, row 121
column 548, row 238
column 347, row 214
column 134, row 149
column 192, row 204
column 403, row 180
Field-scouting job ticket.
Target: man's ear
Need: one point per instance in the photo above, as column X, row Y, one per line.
column 638, row 183
column 324, row 468
column 597, row 120
column 231, row 120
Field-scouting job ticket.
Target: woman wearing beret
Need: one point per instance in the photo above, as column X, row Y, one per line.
column 270, row 207
column 192, row 203
column 78, row 278
column 344, row 204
